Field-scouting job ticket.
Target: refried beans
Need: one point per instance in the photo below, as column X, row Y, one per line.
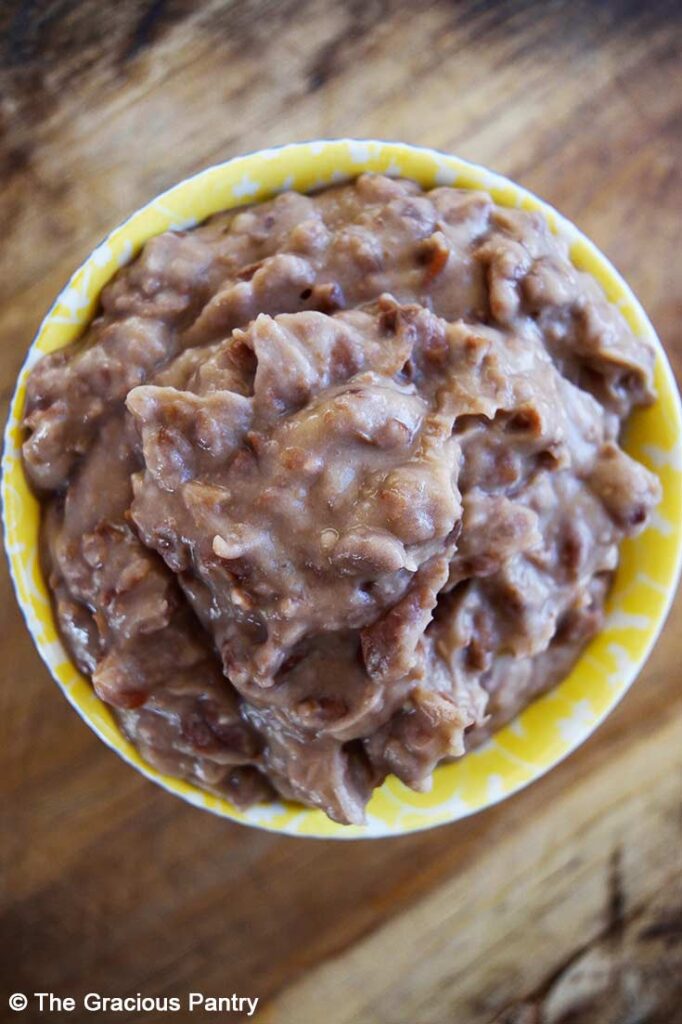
column 332, row 486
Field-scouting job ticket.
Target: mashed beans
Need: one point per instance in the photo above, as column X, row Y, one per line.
column 332, row 486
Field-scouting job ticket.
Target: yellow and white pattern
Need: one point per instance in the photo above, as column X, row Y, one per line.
column 551, row 727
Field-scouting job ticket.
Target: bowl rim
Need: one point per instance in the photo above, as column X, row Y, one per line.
column 356, row 155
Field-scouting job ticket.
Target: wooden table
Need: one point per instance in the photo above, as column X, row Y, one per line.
column 563, row 904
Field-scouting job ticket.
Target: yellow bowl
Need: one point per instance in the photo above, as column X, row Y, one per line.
column 649, row 566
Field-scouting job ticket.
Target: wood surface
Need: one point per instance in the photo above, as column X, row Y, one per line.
column 564, row 904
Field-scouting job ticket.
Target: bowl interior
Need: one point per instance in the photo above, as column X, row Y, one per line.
column 645, row 582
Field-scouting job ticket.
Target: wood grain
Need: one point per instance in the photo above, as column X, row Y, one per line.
column 109, row 884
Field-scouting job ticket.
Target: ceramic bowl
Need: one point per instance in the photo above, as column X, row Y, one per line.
column 552, row 726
